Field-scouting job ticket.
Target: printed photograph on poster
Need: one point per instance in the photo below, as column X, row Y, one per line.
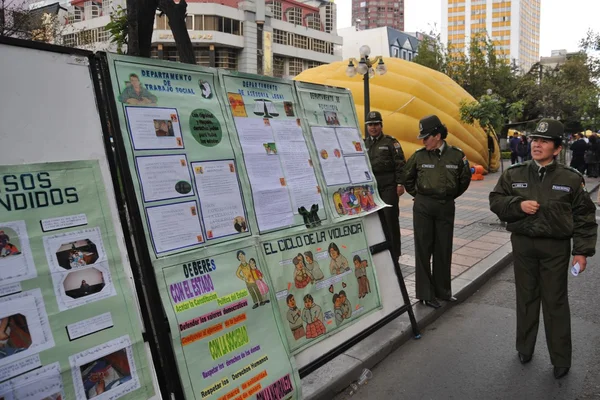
column 350, row 141
column 205, row 90
column 41, row 384
column 331, row 118
column 322, row 280
column 174, row 226
column 153, row 128
column 24, row 327
column 16, row 259
column 164, row 177
column 73, row 250
column 288, row 107
column 236, row 102
column 353, row 200
column 83, row 286
column 358, row 167
column 105, row 371
column 219, row 190
column 135, row 93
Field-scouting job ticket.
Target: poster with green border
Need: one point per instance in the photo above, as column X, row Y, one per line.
column 349, row 183
column 280, row 168
column 69, row 325
column 323, row 280
column 185, row 173
column 222, row 316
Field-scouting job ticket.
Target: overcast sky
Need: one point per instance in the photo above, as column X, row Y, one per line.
column 563, row 22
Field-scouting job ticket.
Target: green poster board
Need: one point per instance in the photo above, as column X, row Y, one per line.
column 350, row 186
column 186, row 175
column 323, row 279
column 280, row 168
column 69, row 325
column 223, row 325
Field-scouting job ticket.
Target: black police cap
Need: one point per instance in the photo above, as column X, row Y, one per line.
column 374, row 117
column 428, row 125
column 548, row 128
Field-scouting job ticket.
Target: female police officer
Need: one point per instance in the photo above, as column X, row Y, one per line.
column 545, row 205
column 435, row 175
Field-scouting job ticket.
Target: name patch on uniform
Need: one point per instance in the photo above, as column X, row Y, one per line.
column 562, row 188
column 427, row 166
column 519, row 185
column 383, row 148
column 452, row 166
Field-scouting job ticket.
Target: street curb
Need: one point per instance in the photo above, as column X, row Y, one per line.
column 338, row 374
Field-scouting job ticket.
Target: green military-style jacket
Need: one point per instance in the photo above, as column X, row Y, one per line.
column 566, row 209
column 443, row 177
column 387, row 160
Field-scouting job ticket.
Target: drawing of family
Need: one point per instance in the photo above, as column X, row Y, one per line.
column 312, row 315
column 307, row 270
column 249, row 273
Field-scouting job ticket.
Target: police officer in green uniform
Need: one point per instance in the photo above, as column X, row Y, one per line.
column 435, row 176
column 387, row 160
column 546, row 205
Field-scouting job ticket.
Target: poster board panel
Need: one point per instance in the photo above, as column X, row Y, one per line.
column 47, row 195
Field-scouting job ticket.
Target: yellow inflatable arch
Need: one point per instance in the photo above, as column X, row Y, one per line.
column 405, row 94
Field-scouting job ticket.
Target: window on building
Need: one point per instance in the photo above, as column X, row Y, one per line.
column 154, row 52
column 189, row 22
column 202, row 56
column 313, row 21
column 280, row 36
column 162, row 22
column 296, row 66
column 294, row 15
column 227, row 59
column 319, row 45
column 404, row 54
column 276, row 9
column 171, row 54
column 219, row 24
column 410, row 56
column 300, row 42
column 313, row 64
column 278, row 66
column 395, row 52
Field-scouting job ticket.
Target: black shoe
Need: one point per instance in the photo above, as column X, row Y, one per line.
column 255, row 306
column 266, row 301
column 451, row 299
column 524, row 358
column 431, row 303
column 559, row 372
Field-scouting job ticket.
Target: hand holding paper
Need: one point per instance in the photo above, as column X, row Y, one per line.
column 579, row 264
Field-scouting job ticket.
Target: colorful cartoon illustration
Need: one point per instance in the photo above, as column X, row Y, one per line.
column 236, row 101
column 360, row 271
column 244, row 272
column 346, row 306
column 294, row 317
column 353, row 200
column 331, row 118
column 337, row 309
column 312, row 267
column 313, row 316
column 338, row 263
column 259, row 278
column 301, row 277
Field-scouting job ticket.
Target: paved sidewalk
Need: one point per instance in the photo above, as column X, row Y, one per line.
column 481, row 247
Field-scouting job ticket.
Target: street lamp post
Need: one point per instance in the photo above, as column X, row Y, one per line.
column 364, row 67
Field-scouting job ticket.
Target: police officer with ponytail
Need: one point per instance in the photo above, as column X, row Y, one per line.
column 435, row 176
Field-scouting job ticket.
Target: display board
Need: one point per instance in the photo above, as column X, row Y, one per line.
column 223, row 325
column 350, row 186
column 280, row 169
column 186, row 175
column 69, row 325
column 323, row 281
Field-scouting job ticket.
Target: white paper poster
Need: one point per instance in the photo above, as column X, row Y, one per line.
column 153, row 128
column 223, row 211
column 174, row 226
column 41, row 384
column 164, row 177
column 16, row 260
column 330, row 156
column 358, row 168
column 350, row 141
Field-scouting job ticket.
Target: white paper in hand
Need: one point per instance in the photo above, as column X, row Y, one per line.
column 575, row 269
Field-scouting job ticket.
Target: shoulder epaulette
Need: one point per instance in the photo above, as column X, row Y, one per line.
column 457, row 148
column 516, row 165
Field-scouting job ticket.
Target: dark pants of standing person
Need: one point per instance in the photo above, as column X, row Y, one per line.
column 578, row 162
column 433, row 230
column 541, row 272
column 389, row 216
column 514, row 158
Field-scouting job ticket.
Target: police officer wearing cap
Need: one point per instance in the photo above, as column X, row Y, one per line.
column 387, row 160
column 435, row 176
column 546, row 205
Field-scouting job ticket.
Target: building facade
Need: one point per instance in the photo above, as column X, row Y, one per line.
column 512, row 25
column 386, row 42
column 272, row 37
column 369, row 14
